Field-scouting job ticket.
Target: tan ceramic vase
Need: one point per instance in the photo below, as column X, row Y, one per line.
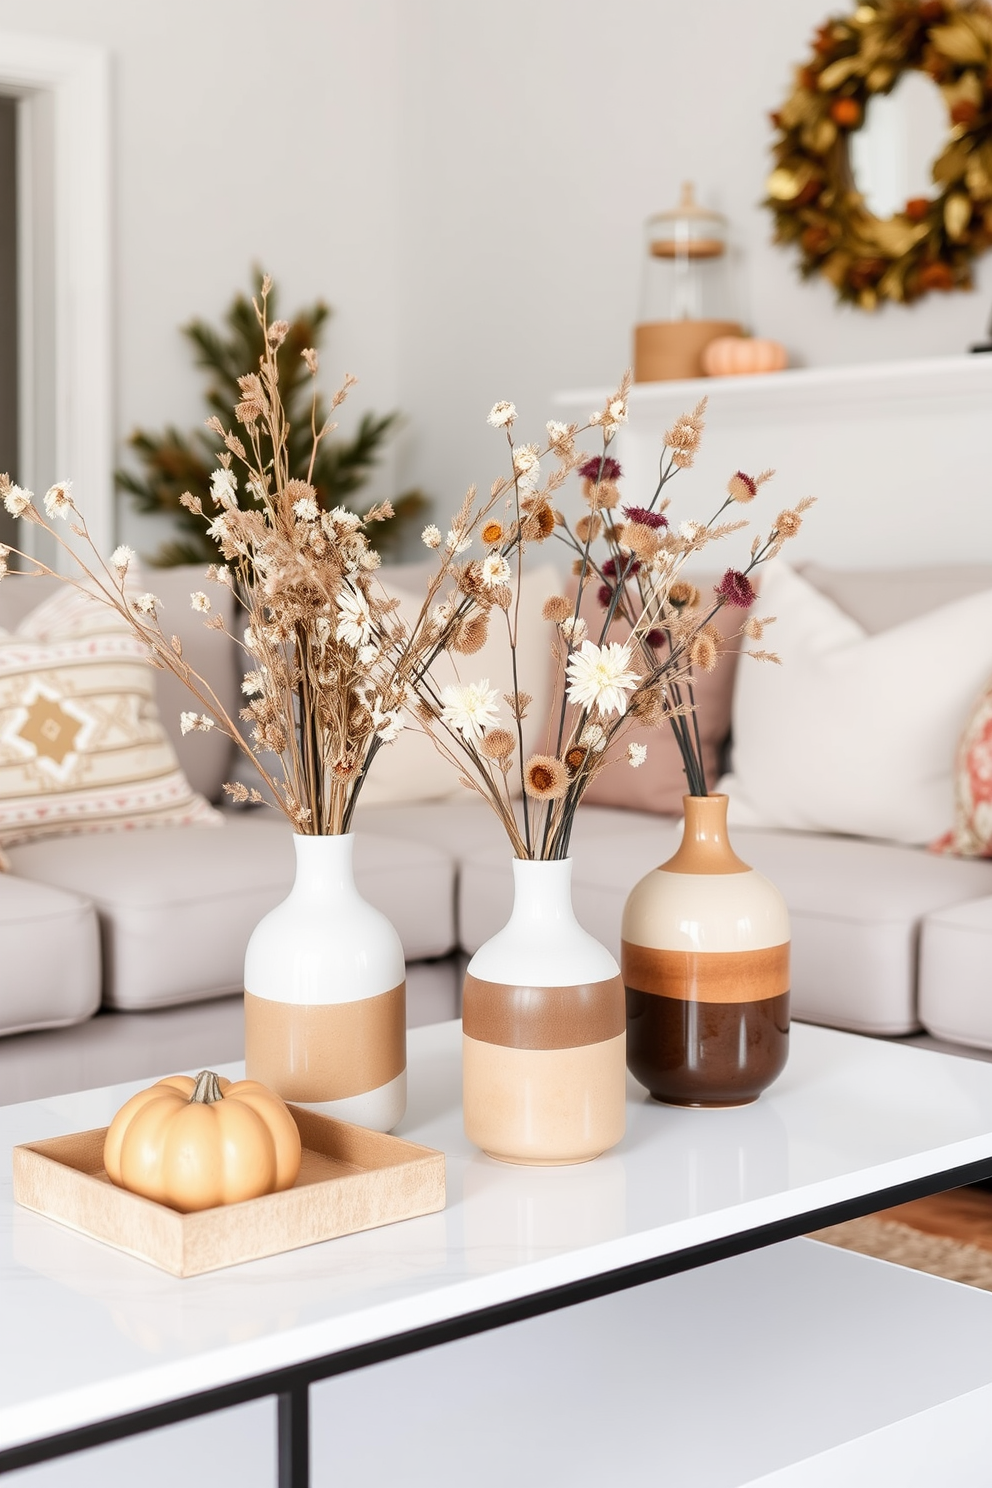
column 544, row 1078
column 705, row 962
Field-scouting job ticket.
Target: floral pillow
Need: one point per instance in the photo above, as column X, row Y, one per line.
column 971, row 835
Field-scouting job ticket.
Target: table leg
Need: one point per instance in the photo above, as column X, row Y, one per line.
column 294, row 1437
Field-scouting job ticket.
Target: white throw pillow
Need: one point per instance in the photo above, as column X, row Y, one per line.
column 411, row 769
column 854, row 733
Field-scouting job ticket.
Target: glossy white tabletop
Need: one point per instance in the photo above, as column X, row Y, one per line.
column 89, row 1333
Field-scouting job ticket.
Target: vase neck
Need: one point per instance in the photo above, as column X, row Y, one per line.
column 705, row 846
column 542, row 892
column 323, row 865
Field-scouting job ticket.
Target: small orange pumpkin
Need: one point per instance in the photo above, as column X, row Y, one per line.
column 739, row 356
column 193, row 1144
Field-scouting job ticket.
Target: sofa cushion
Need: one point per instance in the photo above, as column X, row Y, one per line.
column 956, row 973
column 855, row 908
column 51, row 957
column 855, row 733
column 177, row 907
column 82, row 748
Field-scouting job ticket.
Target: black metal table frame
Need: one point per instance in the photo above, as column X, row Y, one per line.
column 291, row 1385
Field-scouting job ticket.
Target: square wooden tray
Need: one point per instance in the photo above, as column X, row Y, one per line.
column 350, row 1179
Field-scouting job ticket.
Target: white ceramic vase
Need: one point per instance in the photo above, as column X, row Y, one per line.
column 544, row 1045
column 325, row 995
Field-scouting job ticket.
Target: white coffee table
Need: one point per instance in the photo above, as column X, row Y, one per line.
column 98, row 1345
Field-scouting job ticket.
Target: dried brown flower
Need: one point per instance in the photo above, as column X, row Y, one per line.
column 575, row 758
column 602, row 496
column 498, row 744
column 788, row 523
column 588, row 529
column 683, row 595
column 470, row 634
column 640, row 540
column 702, row 649
column 557, row 608
column 545, row 778
column 491, row 533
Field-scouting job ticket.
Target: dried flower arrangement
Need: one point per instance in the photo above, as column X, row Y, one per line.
column 634, row 558
column 327, row 660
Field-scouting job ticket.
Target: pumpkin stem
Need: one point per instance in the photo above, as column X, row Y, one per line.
column 207, row 1088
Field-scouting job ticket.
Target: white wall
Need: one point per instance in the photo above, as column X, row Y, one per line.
column 244, row 132
column 465, row 182
column 538, row 134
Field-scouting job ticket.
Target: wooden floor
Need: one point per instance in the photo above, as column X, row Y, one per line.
column 963, row 1214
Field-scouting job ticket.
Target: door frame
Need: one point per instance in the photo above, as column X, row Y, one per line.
column 65, row 321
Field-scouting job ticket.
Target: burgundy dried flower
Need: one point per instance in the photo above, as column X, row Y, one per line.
column 656, row 639
column 645, row 517
column 605, row 595
column 741, row 487
column 629, row 569
column 736, row 589
column 610, row 568
column 601, row 469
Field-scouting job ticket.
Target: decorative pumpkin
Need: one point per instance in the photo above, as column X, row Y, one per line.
column 739, row 356
column 193, row 1144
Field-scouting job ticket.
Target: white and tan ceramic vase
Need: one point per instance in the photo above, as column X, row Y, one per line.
column 543, row 1025
column 325, row 995
column 705, row 958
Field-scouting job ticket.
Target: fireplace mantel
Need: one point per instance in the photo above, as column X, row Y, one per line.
column 899, row 454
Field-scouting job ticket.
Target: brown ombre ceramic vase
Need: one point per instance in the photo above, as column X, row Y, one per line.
column 705, row 961
column 544, row 1078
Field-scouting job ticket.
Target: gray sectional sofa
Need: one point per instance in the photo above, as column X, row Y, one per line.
column 102, row 932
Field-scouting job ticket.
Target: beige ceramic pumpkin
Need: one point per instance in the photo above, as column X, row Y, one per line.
column 739, row 356
column 193, row 1144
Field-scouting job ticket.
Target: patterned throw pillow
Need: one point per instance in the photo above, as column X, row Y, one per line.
column 82, row 748
column 971, row 835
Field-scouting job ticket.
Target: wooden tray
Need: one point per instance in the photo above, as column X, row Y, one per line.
column 350, row 1179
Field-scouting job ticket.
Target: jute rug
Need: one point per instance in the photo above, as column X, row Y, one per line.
column 900, row 1243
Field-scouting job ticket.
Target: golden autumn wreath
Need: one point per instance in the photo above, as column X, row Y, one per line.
column 931, row 243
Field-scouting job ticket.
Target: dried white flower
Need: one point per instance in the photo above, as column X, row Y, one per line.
column 344, row 521
column 559, row 435
column 253, row 684
column 199, row 602
column 367, row 655
column 593, row 737
column 195, row 723
column 354, row 618
column 58, row 499
column 636, row 755
column 690, row 530
column 306, row 509
column 600, row 677
column 526, row 466
column 456, row 541
column 501, row 415
column 17, row 501
column 387, row 724
column 122, row 557
column 470, row 709
column 495, row 570
column 615, row 414
column 224, row 488
column 431, row 536
column 574, row 629
column 145, row 604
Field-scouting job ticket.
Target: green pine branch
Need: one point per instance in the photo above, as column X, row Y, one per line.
column 172, row 462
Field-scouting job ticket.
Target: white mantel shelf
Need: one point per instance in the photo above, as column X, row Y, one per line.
column 899, row 454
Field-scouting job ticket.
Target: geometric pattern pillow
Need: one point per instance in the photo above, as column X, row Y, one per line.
column 971, row 836
column 82, row 748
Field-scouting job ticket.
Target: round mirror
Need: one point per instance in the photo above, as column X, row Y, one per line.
column 893, row 153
